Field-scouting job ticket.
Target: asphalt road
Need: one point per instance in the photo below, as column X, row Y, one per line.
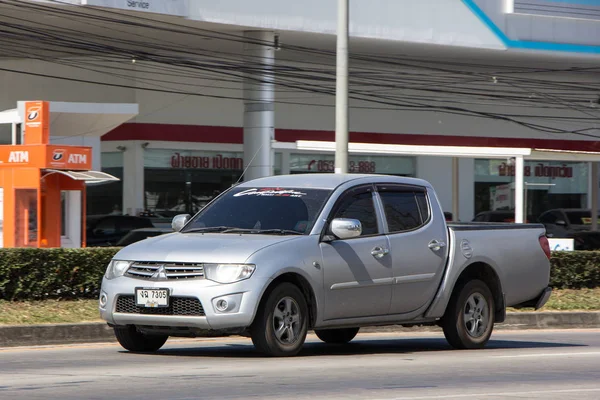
column 525, row 364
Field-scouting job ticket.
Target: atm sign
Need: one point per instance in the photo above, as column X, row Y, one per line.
column 77, row 159
column 69, row 157
column 18, row 157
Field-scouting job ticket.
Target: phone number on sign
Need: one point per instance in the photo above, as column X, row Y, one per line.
column 353, row 166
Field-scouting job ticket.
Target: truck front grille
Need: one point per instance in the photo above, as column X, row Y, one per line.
column 177, row 306
column 162, row 271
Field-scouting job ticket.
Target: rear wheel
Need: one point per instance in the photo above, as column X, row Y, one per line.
column 135, row 341
column 336, row 336
column 469, row 318
column 281, row 323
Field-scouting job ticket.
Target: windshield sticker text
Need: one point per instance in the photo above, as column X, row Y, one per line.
column 270, row 192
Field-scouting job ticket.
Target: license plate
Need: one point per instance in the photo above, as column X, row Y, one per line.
column 152, row 297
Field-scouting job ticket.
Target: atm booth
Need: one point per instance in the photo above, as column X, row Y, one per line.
column 43, row 185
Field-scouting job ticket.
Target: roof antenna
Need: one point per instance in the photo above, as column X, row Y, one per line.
column 247, row 166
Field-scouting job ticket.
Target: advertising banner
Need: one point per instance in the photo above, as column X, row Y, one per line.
column 169, row 7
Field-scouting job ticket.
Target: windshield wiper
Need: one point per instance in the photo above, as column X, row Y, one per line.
column 208, row 229
column 230, row 229
column 263, row 231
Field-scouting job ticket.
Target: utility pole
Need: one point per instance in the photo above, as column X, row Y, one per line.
column 341, row 90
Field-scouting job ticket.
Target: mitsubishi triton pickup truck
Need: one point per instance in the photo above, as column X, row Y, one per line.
column 275, row 257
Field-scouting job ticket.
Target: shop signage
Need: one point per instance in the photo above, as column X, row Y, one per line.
column 50, row 156
column 353, row 166
column 18, row 157
column 69, row 157
column 502, row 197
column 37, row 125
column 168, row 7
column 356, row 164
column 539, row 170
column 206, row 162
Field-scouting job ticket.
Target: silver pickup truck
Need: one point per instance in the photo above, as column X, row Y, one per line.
column 274, row 257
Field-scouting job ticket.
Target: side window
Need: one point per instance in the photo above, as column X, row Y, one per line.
column 360, row 206
column 106, row 226
column 424, row 206
column 548, row 218
column 405, row 209
column 130, row 223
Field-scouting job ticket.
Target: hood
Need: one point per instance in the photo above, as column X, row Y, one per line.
column 199, row 248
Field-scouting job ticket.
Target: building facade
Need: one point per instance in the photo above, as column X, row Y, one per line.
column 228, row 87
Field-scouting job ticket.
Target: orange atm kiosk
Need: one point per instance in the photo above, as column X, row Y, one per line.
column 36, row 179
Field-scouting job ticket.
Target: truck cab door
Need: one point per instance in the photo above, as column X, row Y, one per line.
column 418, row 239
column 357, row 272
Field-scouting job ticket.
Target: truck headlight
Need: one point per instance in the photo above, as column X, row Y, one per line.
column 116, row 268
column 228, row 273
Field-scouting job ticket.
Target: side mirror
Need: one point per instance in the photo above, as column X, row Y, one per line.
column 179, row 221
column 344, row 228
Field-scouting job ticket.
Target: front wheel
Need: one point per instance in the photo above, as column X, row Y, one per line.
column 281, row 322
column 336, row 336
column 469, row 318
column 135, row 341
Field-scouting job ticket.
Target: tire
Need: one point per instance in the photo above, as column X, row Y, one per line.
column 336, row 336
column 473, row 299
column 281, row 323
column 137, row 342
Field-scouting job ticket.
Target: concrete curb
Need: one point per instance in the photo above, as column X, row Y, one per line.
column 55, row 334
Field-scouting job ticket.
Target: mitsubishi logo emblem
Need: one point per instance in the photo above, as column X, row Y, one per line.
column 160, row 274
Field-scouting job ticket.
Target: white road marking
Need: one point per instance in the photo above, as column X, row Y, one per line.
column 480, row 395
column 589, row 353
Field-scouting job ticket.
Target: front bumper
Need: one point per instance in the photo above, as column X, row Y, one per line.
column 245, row 295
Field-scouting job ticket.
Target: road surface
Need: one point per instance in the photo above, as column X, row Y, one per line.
column 519, row 364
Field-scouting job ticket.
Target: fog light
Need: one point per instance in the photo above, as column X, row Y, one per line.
column 227, row 304
column 103, row 300
column 222, row 305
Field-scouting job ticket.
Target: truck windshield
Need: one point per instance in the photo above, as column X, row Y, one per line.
column 261, row 210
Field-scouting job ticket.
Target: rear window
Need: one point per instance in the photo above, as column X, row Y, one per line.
column 580, row 217
column 405, row 210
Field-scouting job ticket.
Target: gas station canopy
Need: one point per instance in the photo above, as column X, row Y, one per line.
column 69, row 119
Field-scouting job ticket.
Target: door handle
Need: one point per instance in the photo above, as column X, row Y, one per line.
column 435, row 245
column 379, row 252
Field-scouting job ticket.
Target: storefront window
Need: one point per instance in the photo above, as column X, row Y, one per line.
column 277, row 164
column 180, row 181
column 107, row 198
column 325, row 163
column 548, row 184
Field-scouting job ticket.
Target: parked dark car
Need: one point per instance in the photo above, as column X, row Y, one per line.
column 562, row 221
column 140, row 234
column 573, row 223
column 499, row 216
column 107, row 230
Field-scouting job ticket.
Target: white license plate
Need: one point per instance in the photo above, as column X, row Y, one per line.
column 152, row 297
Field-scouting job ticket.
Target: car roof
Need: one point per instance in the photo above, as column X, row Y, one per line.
column 325, row 181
